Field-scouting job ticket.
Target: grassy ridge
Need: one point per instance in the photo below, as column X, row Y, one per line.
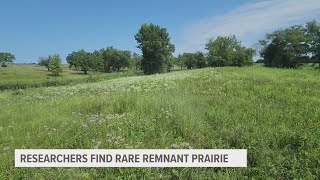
column 274, row 113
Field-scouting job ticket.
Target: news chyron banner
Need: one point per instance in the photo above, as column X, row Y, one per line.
column 130, row 158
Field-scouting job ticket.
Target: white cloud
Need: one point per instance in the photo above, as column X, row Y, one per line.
column 249, row 21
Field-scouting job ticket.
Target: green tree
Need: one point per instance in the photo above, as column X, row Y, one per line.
column 244, row 56
column 221, row 49
column 216, row 61
column 6, row 58
column 170, row 63
column 135, row 61
column 96, row 58
column 313, row 30
column 286, row 48
column 79, row 59
column 115, row 59
column 200, row 60
column 85, row 61
column 55, row 65
column 190, row 60
column 180, row 61
column 72, row 59
column 228, row 51
column 109, row 56
column 156, row 48
column 124, row 59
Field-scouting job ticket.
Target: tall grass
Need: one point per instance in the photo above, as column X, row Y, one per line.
column 273, row 113
column 61, row 81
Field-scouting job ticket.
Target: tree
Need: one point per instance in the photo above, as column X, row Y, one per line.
column 313, row 30
column 170, row 63
column 200, row 60
column 55, row 65
column 190, row 60
column 244, row 56
column 228, row 51
column 96, row 58
column 216, row 61
column 6, row 58
column 156, row 48
column 221, row 50
column 124, row 59
column 115, row 59
column 44, row 61
column 135, row 61
column 180, row 61
column 85, row 61
column 286, row 48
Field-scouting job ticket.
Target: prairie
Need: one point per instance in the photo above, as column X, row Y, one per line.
column 273, row 113
column 23, row 76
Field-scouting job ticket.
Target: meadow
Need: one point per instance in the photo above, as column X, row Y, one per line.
column 22, row 76
column 273, row 113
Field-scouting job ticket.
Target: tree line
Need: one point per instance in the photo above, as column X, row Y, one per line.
column 154, row 43
column 287, row 48
column 222, row 51
column 106, row 60
column 290, row 47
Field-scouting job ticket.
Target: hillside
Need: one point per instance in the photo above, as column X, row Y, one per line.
column 274, row 113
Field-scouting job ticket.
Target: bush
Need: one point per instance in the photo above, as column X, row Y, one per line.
column 55, row 65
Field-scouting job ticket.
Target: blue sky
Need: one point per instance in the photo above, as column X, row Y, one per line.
column 34, row 28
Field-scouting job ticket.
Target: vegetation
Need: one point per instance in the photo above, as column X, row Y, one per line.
column 6, row 58
column 44, row 61
column 273, row 113
column 55, row 65
column 212, row 108
column 201, row 60
column 85, row 61
column 156, row 48
column 115, row 59
column 135, row 61
column 192, row 60
column 313, row 30
column 106, row 60
column 290, row 47
column 228, row 51
column 16, row 77
column 188, row 60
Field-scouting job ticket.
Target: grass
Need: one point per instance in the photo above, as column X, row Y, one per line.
column 274, row 113
column 27, row 72
column 21, row 76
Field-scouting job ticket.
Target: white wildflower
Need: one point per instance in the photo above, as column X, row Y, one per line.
column 174, row 146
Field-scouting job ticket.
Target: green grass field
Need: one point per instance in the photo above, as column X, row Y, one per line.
column 22, row 76
column 273, row 113
column 24, row 72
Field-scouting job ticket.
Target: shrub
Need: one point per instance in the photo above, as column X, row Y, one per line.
column 55, row 65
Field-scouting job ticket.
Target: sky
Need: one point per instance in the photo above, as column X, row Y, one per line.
column 34, row 28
